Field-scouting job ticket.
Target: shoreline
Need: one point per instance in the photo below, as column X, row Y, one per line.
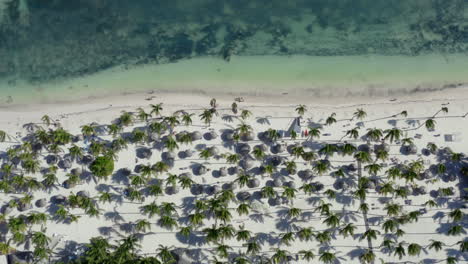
column 272, row 77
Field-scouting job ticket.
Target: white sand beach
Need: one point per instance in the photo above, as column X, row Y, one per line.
column 268, row 220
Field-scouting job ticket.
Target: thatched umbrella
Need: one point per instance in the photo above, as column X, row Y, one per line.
column 210, row 190
column 185, row 175
column 451, row 177
column 253, row 183
column 144, row 153
column 200, row 170
column 196, row 135
column 249, row 136
column 83, row 193
column 262, row 147
column 77, row 171
column 52, row 159
column 364, row 148
column 318, row 186
column 211, row 135
column 67, row 185
column 78, row 138
column 247, row 163
column 277, row 182
column 276, row 160
column 59, row 199
column 420, row 190
column 125, row 171
column 196, row 189
column 41, row 202
column 67, row 163
column 278, row 148
column 307, row 174
column 24, row 206
column 291, row 184
column 188, row 153
column 243, row 196
column 168, row 155
column 214, row 151
column 412, row 149
column 154, row 136
column 234, row 170
column 86, row 159
column 275, row 201
column 230, row 186
column 243, row 149
column 223, row 172
column 338, row 185
column 7, row 209
column 228, row 135
column 138, row 168
column 170, row 190
column 380, row 147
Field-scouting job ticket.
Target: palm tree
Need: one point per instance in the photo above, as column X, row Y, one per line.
column 233, row 158
column 400, row 250
column 393, row 209
column 280, row 256
column 331, row 119
column 301, row 109
column 414, row 249
column 327, row 257
column 369, row 235
column 268, row 192
column 307, row 255
column 205, row 154
column 367, row 257
column 164, row 253
column 359, row 114
column 456, row 230
column 150, row 209
column 243, row 208
column 348, row 230
column 185, row 182
column 207, row 116
column 362, row 156
column 287, row 238
column 156, row 109
column 463, row 245
column 88, row 130
column 332, row 221
column 243, row 234
column 328, row 149
column 305, row 234
column 390, row 225
column 258, row 153
column 253, row 247
column 451, row 260
column 245, row 114
column 196, row 219
column 243, row 179
column 437, row 245
column 222, row 250
column 187, row 119
column 321, row 166
column 244, row 128
column 373, row 169
column 381, row 154
column 374, row 134
column 114, row 129
column 172, row 121
column 46, row 119
column 393, row 134
column 289, row 192
column 323, row 237
column 171, row 144
column 352, row 133
column 126, row 118
column 430, row 124
column 456, row 215
column 294, row 212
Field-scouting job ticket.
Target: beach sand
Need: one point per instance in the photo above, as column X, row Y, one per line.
column 280, row 111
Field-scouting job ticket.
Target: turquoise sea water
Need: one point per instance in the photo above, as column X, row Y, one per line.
column 52, row 49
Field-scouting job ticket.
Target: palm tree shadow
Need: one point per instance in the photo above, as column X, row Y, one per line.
column 263, row 121
column 192, row 239
column 258, row 218
column 228, row 118
column 356, row 253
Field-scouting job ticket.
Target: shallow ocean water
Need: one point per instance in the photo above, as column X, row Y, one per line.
column 56, row 49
